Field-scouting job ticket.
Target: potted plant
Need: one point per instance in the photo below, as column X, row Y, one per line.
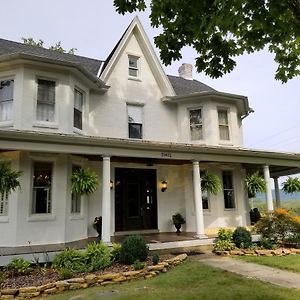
column 84, row 181
column 178, row 221
column 210, row 183
column 255, row 184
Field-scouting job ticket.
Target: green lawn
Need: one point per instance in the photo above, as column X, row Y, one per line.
column 290, row 262
column 191, row 280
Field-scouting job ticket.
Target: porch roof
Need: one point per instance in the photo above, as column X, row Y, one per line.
column 281, row 163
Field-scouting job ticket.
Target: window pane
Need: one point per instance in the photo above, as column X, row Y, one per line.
column 229, row 201
column 224, row 132
column 223, row 117
column 196, row 132
column 132, row 60
column 78, row 101
column 45, row 112
column 196, row 124
column 133, row 72
column 46, row 91
column 77, row 119
column 76, row 198
column 6, row 100
column 134, row 114
column 6, row 110
column 42, row 187
column 205, row 201
column 135, row 131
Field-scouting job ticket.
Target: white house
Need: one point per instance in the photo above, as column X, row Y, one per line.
column 136, row 127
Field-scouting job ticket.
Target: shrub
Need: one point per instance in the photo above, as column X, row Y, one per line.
column 224, row 241
column 18, row 266
column 155, row 259
column 242, row 237
column 98, row 256
column 133, row 248
column 224, row 234
column 71, row 259
column 2, row 279
column 267, row 244
column 137, row 265
column 65, row 273
column 115, row 252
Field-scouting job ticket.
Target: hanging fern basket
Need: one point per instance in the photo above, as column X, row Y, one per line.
column 84, row 181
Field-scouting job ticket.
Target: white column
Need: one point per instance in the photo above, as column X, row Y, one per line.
column 269, row 190
column 277, row 192
column 106, row 205
column 198, row 201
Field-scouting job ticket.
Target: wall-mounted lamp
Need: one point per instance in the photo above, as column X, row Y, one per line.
column 163, row 186
column 111, row 184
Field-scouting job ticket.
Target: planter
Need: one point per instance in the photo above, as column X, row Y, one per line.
column 178, row 227
column 98, row 225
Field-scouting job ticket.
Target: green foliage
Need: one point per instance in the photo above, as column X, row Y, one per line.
column 115, row 252
column 2, row 279
column 40, row 43
column 224, row 241
column 242, row 237
column 84, row 181
column 137, row 265
column 178, row 219
column 255, row 184
column 210, row 183
column 267, row 243
column 155, row 259
column 133, row 248
column 291, row 185
column 18, row 266
column 65, row 273
column 98, row 256
column 221, row 30
column 71, row 259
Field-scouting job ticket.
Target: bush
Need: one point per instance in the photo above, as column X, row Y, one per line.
column 2, row 279
column 133, row 248
column 137, row 265
column 155, row 259
column 65, row 273
column 71, row 259
column 18, row 266
column 98, row 256
column 224, row 241
column 115, row 252
column 266, row 243
column 242, row 237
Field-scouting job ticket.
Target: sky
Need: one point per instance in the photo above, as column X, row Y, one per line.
column 94, row 27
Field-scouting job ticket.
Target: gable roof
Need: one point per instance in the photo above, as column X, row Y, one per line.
column 184, row 86
column 10, row 47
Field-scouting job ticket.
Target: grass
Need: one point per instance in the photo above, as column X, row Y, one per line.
column 190, row 280
column 289, row 262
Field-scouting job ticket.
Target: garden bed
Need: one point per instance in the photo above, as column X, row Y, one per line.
column 260, row 252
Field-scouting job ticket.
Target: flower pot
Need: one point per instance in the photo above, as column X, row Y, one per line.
column 178, row 227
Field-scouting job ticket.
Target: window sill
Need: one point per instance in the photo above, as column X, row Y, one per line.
column 134, row 78
column 225, row 143
column 76, row 216
column 52, row 125
column 6, row 123
column 206, row 212
column 78, row 131
column 41, row 217
column 229, row 210
column 4, row 219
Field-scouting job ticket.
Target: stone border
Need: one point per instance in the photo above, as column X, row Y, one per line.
column 260, row 252
column 89, row 281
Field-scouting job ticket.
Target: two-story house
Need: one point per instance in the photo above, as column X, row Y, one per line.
column 137, row 128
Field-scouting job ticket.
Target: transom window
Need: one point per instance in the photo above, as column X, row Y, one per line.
column 76, row 198
column 223, row 124
column 133, row 69
column 42, row 183
column 135, row 122
column 196, row 124
column 78, row 106
column 6, row 100
column 229, row 202
column 46, row 100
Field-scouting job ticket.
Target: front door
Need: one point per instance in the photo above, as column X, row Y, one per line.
column 135, row 199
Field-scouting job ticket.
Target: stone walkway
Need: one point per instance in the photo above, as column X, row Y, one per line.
column 267, row 274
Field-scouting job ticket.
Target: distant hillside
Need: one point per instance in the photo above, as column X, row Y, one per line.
column 283, row 196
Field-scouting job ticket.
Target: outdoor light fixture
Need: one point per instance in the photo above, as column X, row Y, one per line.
column 111, row 184
column 163, row 186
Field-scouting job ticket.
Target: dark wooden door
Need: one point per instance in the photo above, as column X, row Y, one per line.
column 135, row 199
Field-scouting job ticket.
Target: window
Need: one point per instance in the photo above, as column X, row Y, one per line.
column 3, row 204
column 223, row 124
column 229, row 202
column 78, row 105
column 205, row 200
column 6, row 100
column 45, row 101
column 133, row 69
column 196, row 124
column 42, row 182
column 76, row 198
column 135, row 121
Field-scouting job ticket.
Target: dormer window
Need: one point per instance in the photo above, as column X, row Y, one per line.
column 135, row 123
column 196, row 124
column 223, row 124
column 45, row 101
column 133, row 66
column 6, row 100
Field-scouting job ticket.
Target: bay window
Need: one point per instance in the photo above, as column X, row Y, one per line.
column 45, row 101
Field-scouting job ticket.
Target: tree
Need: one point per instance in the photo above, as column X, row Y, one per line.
column 221, row 30
column 56, row 47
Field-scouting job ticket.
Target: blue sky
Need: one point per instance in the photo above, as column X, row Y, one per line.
column 93, row 27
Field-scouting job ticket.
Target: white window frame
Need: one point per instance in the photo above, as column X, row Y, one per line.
column 137, row 68
column 223, row 125
column 76, row 89
column 227, row 189
column 142, row 119
column 202, row 127
column 12, row 100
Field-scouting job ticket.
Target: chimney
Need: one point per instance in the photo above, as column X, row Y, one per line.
column 186, row 71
